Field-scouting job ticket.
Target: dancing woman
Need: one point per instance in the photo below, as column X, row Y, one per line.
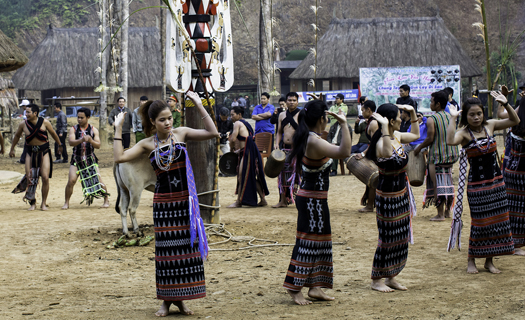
column 490, row 233
column 514, row 175
column 395, row 203
column 311, row 263
column 180, row 240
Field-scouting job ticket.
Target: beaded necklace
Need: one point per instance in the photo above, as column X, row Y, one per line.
column 476, row 142
column 315, row 134
column 402, row 154
column 164, row 161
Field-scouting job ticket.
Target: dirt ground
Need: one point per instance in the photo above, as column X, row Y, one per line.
column 55, row 266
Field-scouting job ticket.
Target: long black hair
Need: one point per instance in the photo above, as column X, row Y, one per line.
column 469, row 103
column 388, row 111
column 308, row 117
column 519, row 129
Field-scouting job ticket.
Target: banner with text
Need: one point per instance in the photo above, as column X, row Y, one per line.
column 330, row 95
column 382, row 84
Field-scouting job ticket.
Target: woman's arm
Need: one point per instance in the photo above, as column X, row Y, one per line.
column 454, row 138
column 119, row 155
column 209, row 131
column 384, row 144
column 318, row 148
column 513, row 118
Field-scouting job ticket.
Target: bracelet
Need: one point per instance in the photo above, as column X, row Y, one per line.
column 413, row 121
column 205, row 116
column 120, row 139
column 385, row 135
column 506, row 104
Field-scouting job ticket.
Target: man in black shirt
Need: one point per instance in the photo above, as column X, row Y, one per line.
column 62, row 134
column 405, row 98
column 225, row 128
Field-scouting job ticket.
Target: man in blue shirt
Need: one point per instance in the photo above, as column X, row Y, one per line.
column 262, row 114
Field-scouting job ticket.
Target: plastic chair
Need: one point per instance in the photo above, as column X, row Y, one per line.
column 263, row 140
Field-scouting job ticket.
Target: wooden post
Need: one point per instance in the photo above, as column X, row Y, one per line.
column 203, row 157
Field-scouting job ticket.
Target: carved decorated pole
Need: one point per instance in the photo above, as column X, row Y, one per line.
column 199, row 57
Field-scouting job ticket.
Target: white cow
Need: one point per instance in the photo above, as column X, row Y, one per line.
column 131, row 178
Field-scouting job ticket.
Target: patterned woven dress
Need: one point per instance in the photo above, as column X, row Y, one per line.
column 514, row 175
column 394, row 208
column 311, row 263
column 490, row 233
column 178, row 265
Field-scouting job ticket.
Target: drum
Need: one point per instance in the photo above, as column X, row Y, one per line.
column 364, row 169
column 416, row 169
column 228, row 163
column 275, row 163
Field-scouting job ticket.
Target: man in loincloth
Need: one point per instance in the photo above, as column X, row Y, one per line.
column 441, row 158
column 38, row 155
column 250, row 173
column 288, row 180
column 84, row 139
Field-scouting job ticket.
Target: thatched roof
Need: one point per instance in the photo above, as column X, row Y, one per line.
column 67, row 58
column 8, row 97
column 350, row 44
column 11, row 57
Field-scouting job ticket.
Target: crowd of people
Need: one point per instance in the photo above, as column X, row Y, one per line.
column 389, row 135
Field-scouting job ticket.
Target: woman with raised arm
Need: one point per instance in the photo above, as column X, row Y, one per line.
column 490, row 233
column 311, row 264
column 180, row 240
column 514, row 176
column 395, row 204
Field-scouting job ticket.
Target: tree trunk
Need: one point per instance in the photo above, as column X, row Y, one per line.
column 265, row 47
column 203, row 157
column 163, row 50
column 124, row 49
column 487, row 53
column 103, row 119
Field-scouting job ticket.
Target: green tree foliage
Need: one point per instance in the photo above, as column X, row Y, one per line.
column 29, row 14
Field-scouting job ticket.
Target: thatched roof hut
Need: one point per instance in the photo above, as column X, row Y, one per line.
column 350, row 44
column 8, row 99
column 67, row 58
column 11, row 57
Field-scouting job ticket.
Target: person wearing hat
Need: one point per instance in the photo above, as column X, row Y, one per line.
column 339, row 105
column 137, row 121
column 175, row 111
column 128, row 120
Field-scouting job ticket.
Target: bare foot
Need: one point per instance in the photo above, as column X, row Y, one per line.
column 262, row 203
column 65, row 206
column 380, row 286
column 32, row 207
column 317, row 293
column 280, row 205
column 164, row 309
column 235, row 205
column 43, row 207
column 471, row 266
column 519, row 252
column 105, row 205
column 182, row 308
column 392, row 283
column 447, row 214
column 437, row 218
column 366, row 209
column 298, row 298
column 489, row 265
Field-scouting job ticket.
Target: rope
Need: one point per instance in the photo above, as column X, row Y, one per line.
column 221, row 231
